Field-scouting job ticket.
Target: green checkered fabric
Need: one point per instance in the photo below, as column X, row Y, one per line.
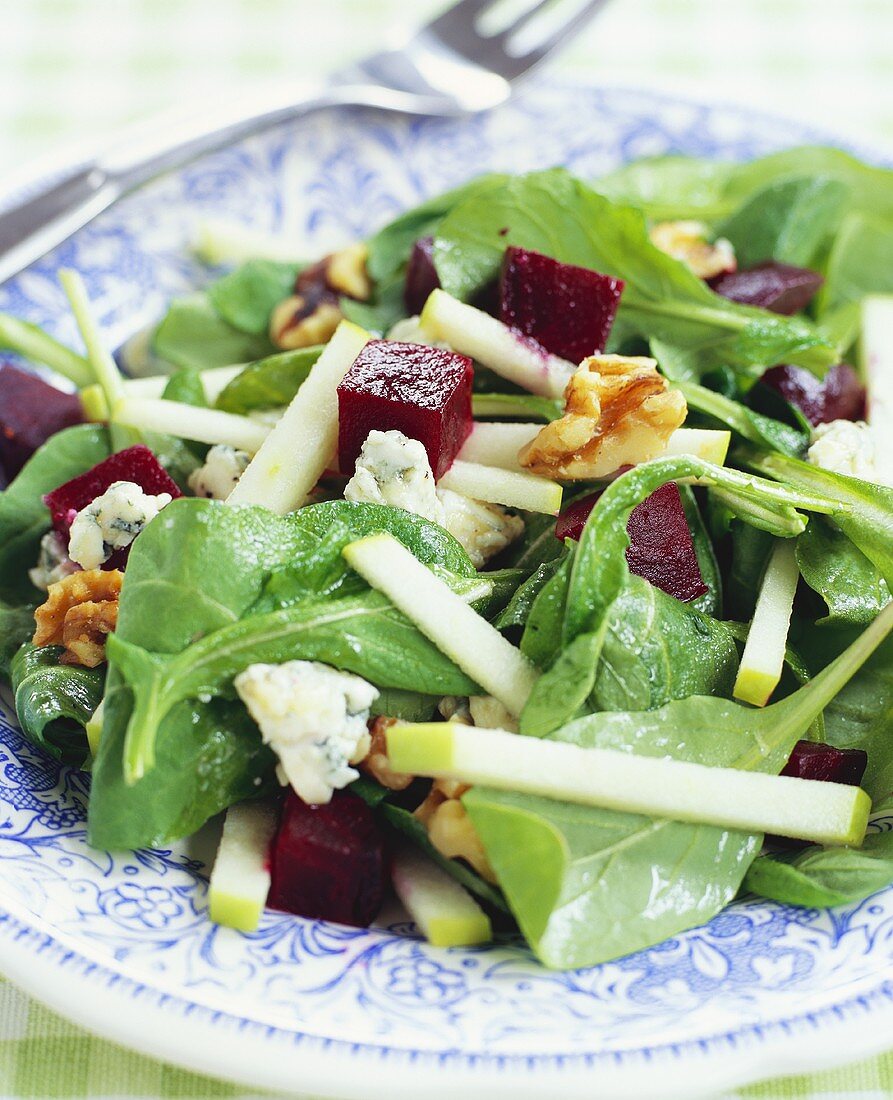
column 74, row 70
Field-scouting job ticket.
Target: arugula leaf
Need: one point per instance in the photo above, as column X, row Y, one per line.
column 789, row 221
column 269, row 382
column 54, row 702
column 688, row 187
column 822, row 877
column 246, row 297
column 587, row 885
column 554, row 213
column 194, row 336
column 841, row 574
column 24, row 518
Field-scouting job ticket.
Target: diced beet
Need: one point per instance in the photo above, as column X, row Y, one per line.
column 137, row 464
column 781, row 288
column 838, row 396
column 421, row 275
column 815, row 760
column 31, row 411
column 328, row 862
column 420, row 391
column 660, row 550
column 568, row 310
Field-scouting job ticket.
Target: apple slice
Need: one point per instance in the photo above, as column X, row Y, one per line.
column 763, row 659
column 512, row 488
column 240, row 880
column 93, row 729
column 508, row 353
column 151, row 414
column 447, row 915
column 497, row 444
column 297, row 451
column 826, row 813
column 445, row 618
column 877, row 368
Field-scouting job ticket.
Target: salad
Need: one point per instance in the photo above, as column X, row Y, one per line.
column 530, row 559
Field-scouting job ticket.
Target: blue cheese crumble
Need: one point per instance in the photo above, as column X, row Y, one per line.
column 221, row 472
column 314, row 718
column 844, row 447
column 53, row 562
column 111, row 522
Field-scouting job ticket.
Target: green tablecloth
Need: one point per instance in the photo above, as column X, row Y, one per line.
column 73, row 70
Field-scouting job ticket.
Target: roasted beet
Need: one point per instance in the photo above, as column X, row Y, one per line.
column 838, row 396
column 568, row 310
column 421, row 275
column 31, row 411
column 661, row 548
column 420, row 391
column 328, row 862
column 781, row 288
column 815, row 760
column 136, row 464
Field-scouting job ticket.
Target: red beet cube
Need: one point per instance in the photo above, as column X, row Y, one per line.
column 420, row 391
column 137, row 464
column 815, row 760
column 31, row 411
column 781, row 288
column 421, row 275
column 568, row 310
column 328, row 862
column 838, row 396
column 660, row 547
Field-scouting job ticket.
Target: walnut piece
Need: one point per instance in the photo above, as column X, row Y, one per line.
column 689, row 242
column 311, row 315
column 375, row 763
column 80, row 611
column 618, row 411
column 450, row 829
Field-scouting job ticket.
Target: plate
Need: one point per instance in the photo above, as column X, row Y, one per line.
column 121, row 942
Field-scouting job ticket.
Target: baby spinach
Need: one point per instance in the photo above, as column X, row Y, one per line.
column 24, row 518
column 790, row 221
column 268, row 383
column 246, row 297
column 554, row 213
column 193, row 335
column 54, row 702
column 841, row 574
column 587, row 885
column 187, row 387
column 822, row 877
column 859, row 263
column 16, row 628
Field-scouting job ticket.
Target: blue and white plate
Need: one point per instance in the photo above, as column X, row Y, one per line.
column 122, row 944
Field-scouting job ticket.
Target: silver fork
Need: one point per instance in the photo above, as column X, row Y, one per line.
column 447, row 67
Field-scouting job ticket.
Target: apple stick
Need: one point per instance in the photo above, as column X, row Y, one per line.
column 877, row 369
column 296, row 452
column 442, row 616
column 762, row 661
column 513, row 488
column 472, row 332
column 826, row 813
column 447, row 915
column 188, row 422
column 33, row 343
column 240, row 880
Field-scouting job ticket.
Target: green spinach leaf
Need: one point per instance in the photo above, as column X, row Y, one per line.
column 841, row 574
column 194, row 336
column 246, row 297
column 268, row 383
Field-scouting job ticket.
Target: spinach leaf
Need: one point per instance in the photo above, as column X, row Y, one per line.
column 841, row 574
column 187, row 387
column 411, row 706
column 16, row 628
column 414, row 830
column 383, row 310
column 194, row 336
column 751, row 547
column 822, row 877
column 24, row 518
column 556, row 214
column 54, row 702
column 688, row 187
column 587, row 885
column 518, row 610
column 515, row 406
column 269, row 382
column 789, row 221
column 859, row 264
column 246, row 297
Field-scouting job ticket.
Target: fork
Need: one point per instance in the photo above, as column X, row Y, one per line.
column 446, row 68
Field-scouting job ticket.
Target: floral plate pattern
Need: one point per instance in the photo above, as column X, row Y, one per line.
column 121, row 942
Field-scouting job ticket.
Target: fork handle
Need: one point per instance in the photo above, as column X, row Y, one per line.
column 47, row 217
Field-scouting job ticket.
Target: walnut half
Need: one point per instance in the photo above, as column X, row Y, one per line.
column 312, row 313
column 618, row 412
column 450, row 829
column 689, row 242
column 80, row 611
